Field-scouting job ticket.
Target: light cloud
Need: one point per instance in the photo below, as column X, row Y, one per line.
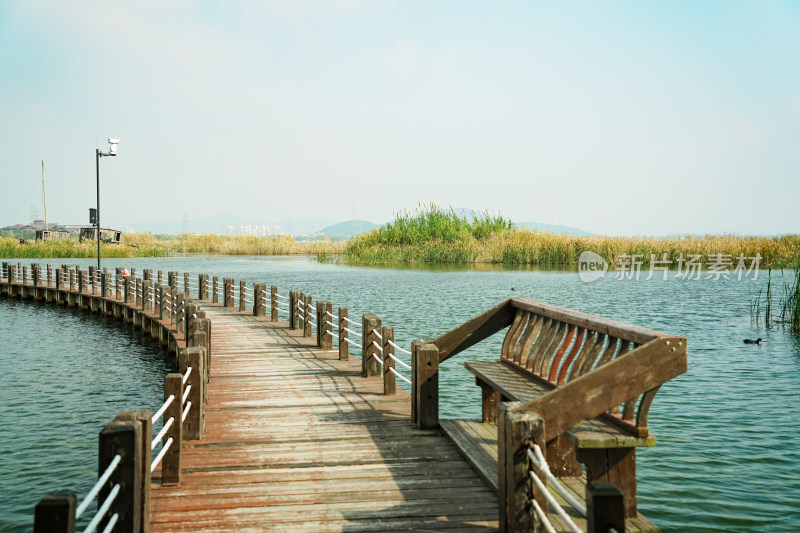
column 742, row 129
column 403, row 57
column 795, row 103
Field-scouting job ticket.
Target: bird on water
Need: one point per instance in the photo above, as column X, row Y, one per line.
column 751, row 341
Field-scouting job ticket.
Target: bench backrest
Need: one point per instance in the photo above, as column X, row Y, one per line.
column 595, row 366
column 556, row 346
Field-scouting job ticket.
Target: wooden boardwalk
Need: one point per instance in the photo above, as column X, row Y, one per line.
column 298, row 440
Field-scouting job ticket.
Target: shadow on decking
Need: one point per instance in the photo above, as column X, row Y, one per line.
column 362, row 465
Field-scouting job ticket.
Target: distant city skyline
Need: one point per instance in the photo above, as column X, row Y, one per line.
column 620, row 118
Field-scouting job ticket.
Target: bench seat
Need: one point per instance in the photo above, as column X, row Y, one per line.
column 514, row 385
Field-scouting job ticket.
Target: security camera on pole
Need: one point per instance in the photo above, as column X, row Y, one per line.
column 112, row 151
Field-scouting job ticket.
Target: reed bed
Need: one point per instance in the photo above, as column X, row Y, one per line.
column 147, row 245
column 434, row 235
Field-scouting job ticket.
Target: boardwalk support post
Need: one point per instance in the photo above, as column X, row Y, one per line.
column 370, row 354
column 425, row 385
column 215, row 290
column 243, row 295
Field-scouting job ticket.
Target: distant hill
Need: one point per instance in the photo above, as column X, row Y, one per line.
column 552, row 228
column 348, row 228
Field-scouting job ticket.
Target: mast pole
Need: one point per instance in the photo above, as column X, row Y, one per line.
column 44, row 199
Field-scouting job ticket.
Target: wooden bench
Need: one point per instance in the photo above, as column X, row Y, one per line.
column 548, row 349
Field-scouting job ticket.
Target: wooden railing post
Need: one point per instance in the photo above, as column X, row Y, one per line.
column 123, row 438
column 324, row 321
column 180, row 311
column 293, row 308
column 605, row 508
column 147, row 295
column 344, row 346
column 36, row 274
column 273, row 297
column 259, row 299
column 191, row 316
column 201, row 337
column 165, row 299
column 243, row 295
column 202, row 287
column 425, row 385
column 370, row 354
column 147, row 274
column 172, row 278
column 194, row 425
column 160, row 277
column 308, row 315
column 389, row 380
column 49, row 273
column 130, row 294
column 227, row 289
column 515, row 433
column 145, row 418
column 186, row 285
column 120, row 287
column 55, row 513
column 215, row 289
column 171, row 463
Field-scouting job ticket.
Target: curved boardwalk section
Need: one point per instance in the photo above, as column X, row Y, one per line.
column 297, row 440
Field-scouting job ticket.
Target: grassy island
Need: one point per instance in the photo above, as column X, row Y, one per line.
column 434, row 235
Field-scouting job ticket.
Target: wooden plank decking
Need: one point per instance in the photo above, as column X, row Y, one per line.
column 298, row 440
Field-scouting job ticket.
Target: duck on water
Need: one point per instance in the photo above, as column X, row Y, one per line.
column 751, row 341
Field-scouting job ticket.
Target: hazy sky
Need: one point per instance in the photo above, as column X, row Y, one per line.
column 633, row 117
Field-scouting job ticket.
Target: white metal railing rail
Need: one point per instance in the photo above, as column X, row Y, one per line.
column 399, row 349
column 106, row 504
column 399, row 375
column 160, row 437
column 353, row 333
column 93, row 492
column 539, row 463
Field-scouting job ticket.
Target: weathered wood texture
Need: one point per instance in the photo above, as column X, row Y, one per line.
column 477, row 441
column 297, row 440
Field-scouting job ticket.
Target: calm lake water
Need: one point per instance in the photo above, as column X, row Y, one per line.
column 727, row 451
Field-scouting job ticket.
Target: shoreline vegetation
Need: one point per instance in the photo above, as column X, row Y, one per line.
column 434, row 235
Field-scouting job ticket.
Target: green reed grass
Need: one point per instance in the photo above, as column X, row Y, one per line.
column 434, row 235
column 788, row 304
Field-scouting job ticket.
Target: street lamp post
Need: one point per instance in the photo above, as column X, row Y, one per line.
column 112, row 151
